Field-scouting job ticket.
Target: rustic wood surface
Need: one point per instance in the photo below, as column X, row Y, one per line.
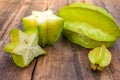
column 64, row 60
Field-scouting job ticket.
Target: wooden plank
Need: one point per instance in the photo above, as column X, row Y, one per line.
column 8, row 70
column 58, row 64
column 64, row 60
column 55, row 65
column 79, row 66
column 68, row 67
column 112, row 73
column 7, row 13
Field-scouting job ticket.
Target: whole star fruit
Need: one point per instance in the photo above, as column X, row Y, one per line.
column 23, row 47
column 99, row 58
column 49, row 26
column 88, row 25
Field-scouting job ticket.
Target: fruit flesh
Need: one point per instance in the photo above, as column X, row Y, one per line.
column 23, row 47
column 92, row 22
column 32, row 22
column 49, row 26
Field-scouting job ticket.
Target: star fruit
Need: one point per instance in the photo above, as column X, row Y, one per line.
column 49, row 26
column 88, row 25
column 99, row 58
column 23, row 47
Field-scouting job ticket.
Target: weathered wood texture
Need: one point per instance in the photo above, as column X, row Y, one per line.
column 64, row 60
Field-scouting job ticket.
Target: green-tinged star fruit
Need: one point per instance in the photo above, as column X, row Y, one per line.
column 99, row 58
column 23, row 46
column 88, row 25
column 49, row 26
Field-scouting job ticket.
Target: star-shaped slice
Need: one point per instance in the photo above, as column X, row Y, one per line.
column 48, row 24
column 23, row 47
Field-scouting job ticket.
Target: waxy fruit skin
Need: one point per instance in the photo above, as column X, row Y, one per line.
column 88, row 25
column 99, row 58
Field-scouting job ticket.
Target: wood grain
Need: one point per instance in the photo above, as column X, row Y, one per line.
column 64, row 60
column 8, row 70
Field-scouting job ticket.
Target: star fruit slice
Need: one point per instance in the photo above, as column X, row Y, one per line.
column 99, row 58
column 23, row 47
column 49, row 26
column 88, row 25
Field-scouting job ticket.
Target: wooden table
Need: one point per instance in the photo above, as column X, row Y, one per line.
column 64, row 60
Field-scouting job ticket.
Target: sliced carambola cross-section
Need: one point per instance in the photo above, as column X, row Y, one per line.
column 49, row 26
column 23, row 47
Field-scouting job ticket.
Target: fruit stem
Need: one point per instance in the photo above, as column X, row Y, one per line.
column 25, row 41
column 95, row 67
